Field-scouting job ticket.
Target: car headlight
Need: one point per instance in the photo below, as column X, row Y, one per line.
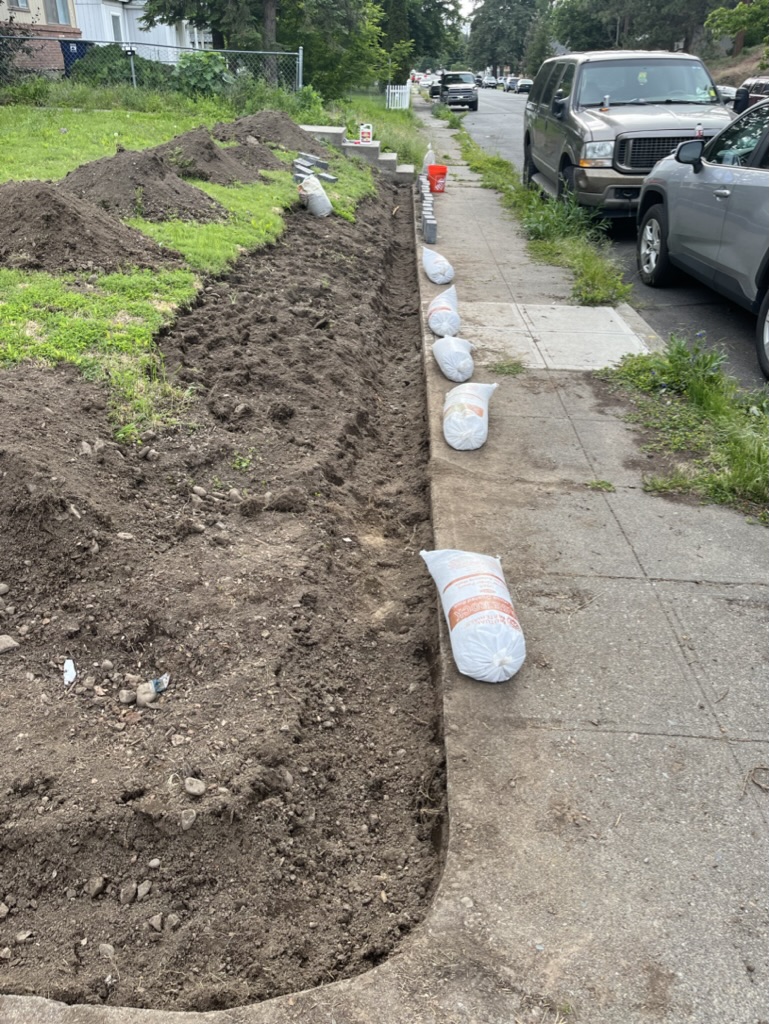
column 597, row 154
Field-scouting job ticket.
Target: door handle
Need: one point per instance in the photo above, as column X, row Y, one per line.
column 722, row 193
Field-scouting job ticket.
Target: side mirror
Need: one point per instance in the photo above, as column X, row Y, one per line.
column 558, row 104
column 741, row 100
column 691, row 153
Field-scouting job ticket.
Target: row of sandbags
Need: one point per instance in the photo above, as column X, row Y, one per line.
column 486, row 638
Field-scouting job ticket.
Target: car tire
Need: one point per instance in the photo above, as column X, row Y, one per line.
column 529, row 168
column 472, row 106
column 652, row 258
column 762, row 336
column 566, row 181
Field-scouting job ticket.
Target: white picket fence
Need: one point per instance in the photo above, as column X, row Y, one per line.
column 398, row 97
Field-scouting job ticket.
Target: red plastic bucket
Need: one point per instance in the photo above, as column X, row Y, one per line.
column 436, row 175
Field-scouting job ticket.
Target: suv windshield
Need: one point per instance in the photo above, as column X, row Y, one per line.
column 459, row 78
column 654, row 80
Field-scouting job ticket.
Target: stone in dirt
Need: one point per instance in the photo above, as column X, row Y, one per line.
column 7, row 643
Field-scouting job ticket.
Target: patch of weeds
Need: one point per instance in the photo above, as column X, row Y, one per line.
column 242, row 463
column 507, row 367
column 441, row 111
column 600, row 485
column 718, row 433
column 560, row 232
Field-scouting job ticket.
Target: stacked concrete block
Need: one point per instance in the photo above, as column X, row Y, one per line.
column 428, row 223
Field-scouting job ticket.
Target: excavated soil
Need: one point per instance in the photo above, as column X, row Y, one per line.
column 273, row 818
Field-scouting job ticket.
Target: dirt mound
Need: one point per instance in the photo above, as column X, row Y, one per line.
column 196, row 155
column 273, row 821
column 132, row 184
column 44, row 228
column 270, row 127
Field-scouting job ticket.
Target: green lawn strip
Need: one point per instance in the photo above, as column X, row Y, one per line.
column 560, row 233
column 696, row 411
column 106, row 329
column 41, row 143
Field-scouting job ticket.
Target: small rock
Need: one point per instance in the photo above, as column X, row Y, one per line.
column 4, row 588
column 106, row 950
column 107, row 666
column 153, row 455
column 154, row 863
column 234, row 494
column 195, row 787
column 128, row 893
column 3, row 911
column 22, row 937
column 127, row 696
column 173, row 921
column 7, row 643
column 23, row 630
column 156, row 922
column 85, row 448
column 96, row 886
column 124, row 535
column 188, row 819
column 145, row 888
column 145, row 694
column 200, row 491
column 5, row 953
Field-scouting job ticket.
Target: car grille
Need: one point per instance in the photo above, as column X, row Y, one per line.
column 638, row 156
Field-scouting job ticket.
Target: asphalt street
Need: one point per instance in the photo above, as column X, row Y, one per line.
column 688, row 309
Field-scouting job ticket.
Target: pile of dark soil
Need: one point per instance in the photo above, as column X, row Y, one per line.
column 196, row 155
column 270, row 127
column 141, row 184
column 272, row 820
column 45, row 228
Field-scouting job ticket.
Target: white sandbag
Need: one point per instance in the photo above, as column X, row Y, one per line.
column 314, row 197
column 442, row 314
column 486, row 638
column 454, row 359
column 466, row 416
column 437, row 267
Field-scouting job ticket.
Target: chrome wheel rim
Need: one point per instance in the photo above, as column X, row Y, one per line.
column 765, row 336
column 650, row 246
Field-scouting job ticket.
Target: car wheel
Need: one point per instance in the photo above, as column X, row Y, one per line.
column 473, row 106
column 529, row 167
column 652, row 248
column 762, row 336
column 566, row 181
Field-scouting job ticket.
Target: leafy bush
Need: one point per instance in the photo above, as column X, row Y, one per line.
column 111, row 65
column 204, row 73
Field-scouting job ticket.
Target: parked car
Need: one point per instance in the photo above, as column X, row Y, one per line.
column 705, row 210
column 727, row 93
column 510, row 83
column 489, row 82
column 596, row 123
column 758, row 88
column 524, row 85
column 458, row 89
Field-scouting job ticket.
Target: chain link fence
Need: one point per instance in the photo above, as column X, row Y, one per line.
column 143, row 65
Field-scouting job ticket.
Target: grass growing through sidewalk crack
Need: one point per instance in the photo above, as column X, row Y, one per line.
column 507, row 367
column 696, row 413
column 561, row 232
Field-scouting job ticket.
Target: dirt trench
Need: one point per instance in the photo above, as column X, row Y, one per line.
column 274, row 818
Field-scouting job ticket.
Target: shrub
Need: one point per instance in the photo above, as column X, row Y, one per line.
column 204, row 73
column 111, row 65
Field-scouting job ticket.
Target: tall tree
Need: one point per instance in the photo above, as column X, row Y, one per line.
column 498, row 32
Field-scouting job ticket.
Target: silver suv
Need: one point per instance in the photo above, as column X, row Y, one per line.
column 596, row 123
column 705, row 210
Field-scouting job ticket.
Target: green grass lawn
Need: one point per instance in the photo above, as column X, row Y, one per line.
column 49, row 143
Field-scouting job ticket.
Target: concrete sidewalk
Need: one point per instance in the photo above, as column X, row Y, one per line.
column 607, row 859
